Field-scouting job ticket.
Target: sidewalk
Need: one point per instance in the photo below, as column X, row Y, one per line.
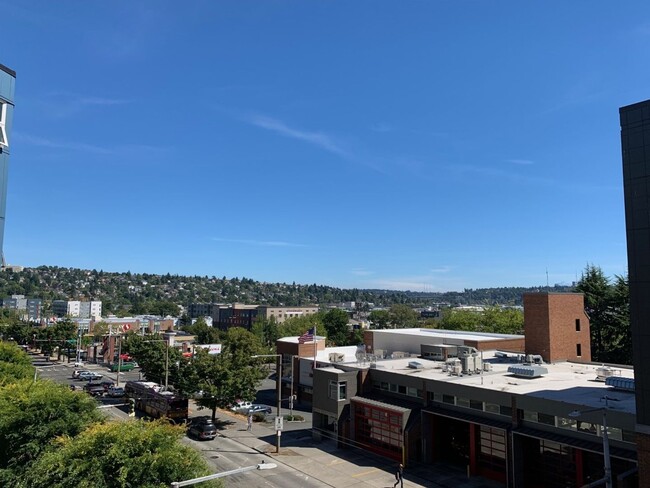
column 342, row 468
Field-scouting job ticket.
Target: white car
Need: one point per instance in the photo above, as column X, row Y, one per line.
column 241, row 406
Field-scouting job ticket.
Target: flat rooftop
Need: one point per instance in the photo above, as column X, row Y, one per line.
column 568, row 382
column 437, row 336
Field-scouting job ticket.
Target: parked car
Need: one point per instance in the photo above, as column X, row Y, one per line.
column 107, row 384
column 90, row 375
column 94, row 389
column 115, row 391
column 255, row 408
column 202, row 428
column 77, row 372
column 123, row 367
column 241, row 406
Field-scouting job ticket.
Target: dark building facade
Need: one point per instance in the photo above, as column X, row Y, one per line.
column 635, row 145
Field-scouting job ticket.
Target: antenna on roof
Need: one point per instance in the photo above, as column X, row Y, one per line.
column 548, row 288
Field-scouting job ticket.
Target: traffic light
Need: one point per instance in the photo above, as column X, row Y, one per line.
column 131, row 407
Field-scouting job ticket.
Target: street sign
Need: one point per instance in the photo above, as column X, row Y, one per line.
column 279, row 423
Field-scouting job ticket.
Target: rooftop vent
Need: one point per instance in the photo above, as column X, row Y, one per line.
column 528, row 371
column 620, row 383
column 605, row 372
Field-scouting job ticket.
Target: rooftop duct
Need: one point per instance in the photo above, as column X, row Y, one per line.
column 620, row 383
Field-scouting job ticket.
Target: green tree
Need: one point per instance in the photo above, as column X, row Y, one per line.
column 298, row 325
column 597, row 292
column 154, row 357
column 618, row 336
column 32, row 414
column 460, row 319
column 335, row 322
column 15, row 364
column 402, row 316
column 379, row 319
column 233, row 374
column 134, row 453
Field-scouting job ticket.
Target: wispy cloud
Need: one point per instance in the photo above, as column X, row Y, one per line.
column 441, row 269
column 430, row 281
column 253, row 242
column 522, row 162
column 65, row 104
column 318, row 139
column 361, row 272
column 53, row 144
column 118, row 149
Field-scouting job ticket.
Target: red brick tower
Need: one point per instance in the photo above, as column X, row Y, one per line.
column 556, row 326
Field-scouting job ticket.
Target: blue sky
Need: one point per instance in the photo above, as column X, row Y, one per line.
column 423, row 145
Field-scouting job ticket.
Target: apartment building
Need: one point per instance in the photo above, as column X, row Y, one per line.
column 30, row 308
column 77, row 308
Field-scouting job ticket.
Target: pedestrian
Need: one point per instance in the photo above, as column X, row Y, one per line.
column 399, row 476
column 250, row 422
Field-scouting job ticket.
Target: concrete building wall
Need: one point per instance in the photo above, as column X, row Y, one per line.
column 557, row 327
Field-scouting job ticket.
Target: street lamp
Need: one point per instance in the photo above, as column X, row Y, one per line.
column 607, row 479
column 291, row 397
column 261, row 466
column 278, row 387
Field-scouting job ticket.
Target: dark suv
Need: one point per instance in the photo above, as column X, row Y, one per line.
column 202, row 428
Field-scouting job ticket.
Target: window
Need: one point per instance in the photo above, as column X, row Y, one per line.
column 338, row 390
column 544, row 418
column 449, row 399
column 3, row 118
column 577, row 325
column 578, row 350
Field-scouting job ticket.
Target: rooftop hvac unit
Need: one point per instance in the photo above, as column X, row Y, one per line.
column 415, row 365
column 336, row 357
column 528, row 371
column 605, row 372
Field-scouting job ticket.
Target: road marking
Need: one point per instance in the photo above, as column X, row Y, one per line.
column 336, row 461
column 365, row 472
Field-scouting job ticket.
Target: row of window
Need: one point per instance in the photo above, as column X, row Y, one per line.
column 400, row 389
column 469, row 403
column 578, row 426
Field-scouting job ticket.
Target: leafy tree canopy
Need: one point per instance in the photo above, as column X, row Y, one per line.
column 135, row 453
column 32, row 414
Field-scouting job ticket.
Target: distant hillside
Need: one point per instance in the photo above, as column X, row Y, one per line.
column 144, row 293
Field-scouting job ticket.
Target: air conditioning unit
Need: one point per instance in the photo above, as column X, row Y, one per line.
column 336, row 357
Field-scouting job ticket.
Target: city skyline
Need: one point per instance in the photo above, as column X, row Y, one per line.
column 430, row 146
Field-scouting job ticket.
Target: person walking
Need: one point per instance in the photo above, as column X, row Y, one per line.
column 249, row 428
column 399, row 476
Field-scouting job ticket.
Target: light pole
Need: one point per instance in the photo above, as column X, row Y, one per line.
column 607, row 479
column 262, row 465
column 278, row 388
column 291, row 397
column 170, row 335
